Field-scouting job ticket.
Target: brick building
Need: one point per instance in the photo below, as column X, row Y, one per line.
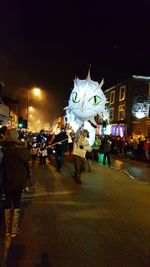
column 129, row 106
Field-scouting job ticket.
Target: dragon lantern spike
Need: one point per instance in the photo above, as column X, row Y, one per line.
column 75, row 80
column 101, row 83
column 89, row 76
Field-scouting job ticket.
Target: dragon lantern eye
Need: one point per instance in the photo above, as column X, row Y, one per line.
column 75, row 98
column 95, row 100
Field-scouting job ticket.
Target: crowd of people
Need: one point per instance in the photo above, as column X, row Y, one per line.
column 19, row 151
column 134, row 148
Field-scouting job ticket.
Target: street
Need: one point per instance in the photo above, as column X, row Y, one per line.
column 105, row 221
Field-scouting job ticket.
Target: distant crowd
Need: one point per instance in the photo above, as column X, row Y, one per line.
column 133, row 148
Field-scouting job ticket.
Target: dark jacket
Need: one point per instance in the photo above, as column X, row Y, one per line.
column 62, row 137
column 106, row 146
column 16, row 165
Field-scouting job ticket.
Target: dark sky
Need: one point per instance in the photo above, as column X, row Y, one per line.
column 48, row 43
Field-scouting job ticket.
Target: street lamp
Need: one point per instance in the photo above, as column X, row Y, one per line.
column 35, row 92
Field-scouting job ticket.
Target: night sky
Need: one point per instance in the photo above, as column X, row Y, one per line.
column 48, row 43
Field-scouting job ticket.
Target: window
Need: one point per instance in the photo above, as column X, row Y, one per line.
column 122, row 93
column 149, row 91
column 148, row 110
column 112, row 97
column 111, row 115
column 121, row 112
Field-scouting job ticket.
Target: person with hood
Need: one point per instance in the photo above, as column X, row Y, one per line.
column 16, row 160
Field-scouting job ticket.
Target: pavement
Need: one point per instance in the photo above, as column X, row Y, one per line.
column 136, row 170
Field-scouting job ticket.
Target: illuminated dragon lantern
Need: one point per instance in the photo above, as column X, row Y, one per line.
column 86, row 101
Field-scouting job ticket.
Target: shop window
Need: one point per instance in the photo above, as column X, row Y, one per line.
column 112, row 97
column 121, row 112
column 122, row 93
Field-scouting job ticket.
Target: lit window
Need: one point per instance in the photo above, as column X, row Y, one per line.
column 111, row 115
column 122, row 93
column 112, row 97
column 121, row 112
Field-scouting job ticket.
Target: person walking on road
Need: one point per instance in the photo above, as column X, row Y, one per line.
column 16, row 160
column 81, row 146
column 60, row 143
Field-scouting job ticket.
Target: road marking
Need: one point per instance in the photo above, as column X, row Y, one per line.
column 29, row 196
column 126, row 172
column 130, row 175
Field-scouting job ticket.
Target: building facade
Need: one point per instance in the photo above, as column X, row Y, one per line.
column 9, row 112
column 4, row 115
column 129, row 107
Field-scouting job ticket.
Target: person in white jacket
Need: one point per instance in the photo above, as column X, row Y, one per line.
column 81, row 146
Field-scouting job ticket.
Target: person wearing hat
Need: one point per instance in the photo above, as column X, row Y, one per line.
column 16, row 160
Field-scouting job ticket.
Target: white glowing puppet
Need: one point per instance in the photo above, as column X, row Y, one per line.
column 86, row 101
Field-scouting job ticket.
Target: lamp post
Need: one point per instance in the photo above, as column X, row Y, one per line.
column 27, row 109
column 36, row 92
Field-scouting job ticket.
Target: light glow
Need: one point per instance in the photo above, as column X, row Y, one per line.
column 140, row 114
column 139, row 109
column 37, row 91
column 31, row 108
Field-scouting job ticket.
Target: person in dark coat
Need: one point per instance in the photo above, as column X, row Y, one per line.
column 106, row 146
column 2, row 138
column 16, row 160
column 60, row 141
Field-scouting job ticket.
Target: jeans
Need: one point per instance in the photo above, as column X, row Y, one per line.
column 106, row 155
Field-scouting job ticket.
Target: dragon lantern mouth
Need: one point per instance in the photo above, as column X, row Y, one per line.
column 83, row 113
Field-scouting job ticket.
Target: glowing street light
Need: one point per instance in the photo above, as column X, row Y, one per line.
column 36, row 92
column 32, row 109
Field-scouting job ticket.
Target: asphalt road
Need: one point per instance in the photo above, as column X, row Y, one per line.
column 103, row 222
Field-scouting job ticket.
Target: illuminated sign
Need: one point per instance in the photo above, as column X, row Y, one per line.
column 139, row 110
